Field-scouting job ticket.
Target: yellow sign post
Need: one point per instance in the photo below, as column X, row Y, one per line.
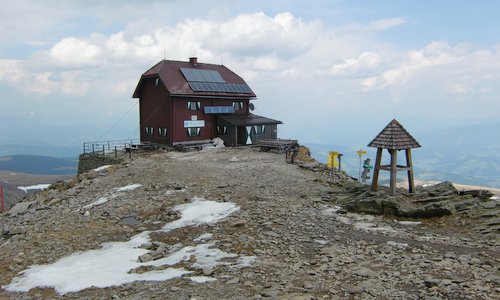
column 333, row 161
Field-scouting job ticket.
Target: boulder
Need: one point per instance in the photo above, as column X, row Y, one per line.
column 20, row 208
column 375, row 206
column 481, row 194
column 440, row 189
column 432, row 210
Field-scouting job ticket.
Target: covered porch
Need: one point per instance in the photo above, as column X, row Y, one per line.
column 237, row 130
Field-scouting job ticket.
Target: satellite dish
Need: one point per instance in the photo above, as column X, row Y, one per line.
column 251, row 106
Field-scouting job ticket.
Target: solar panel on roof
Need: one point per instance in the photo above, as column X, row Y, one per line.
column 219, row 87
column 201, row 75
column 219, row 109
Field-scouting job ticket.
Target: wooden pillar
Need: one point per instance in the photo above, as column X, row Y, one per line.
column 409, row 164
column 376, row 169
column 235, row 135
column 394, row 169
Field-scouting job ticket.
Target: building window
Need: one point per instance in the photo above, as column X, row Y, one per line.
column 238, row 105
column 260, row 129
column 222, row 130
column 193, row 131
column 149, row 130
column 162, row 131
column 193, row 105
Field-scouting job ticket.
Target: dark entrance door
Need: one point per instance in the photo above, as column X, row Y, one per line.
column 242, row 135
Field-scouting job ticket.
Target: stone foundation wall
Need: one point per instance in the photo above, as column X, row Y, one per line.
column 89, row 162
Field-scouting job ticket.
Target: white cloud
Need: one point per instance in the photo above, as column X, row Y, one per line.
column 384, row 24
column 438, row 65
column 375, row 25
column 11, row 70
column 367, row 60
column 72, row 51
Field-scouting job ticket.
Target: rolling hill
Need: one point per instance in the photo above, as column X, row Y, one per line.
column 32, row 164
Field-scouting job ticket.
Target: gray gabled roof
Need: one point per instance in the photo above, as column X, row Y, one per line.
column 250, row 119
column 394, row 136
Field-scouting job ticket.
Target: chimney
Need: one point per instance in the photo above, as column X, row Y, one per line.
column 194, row 61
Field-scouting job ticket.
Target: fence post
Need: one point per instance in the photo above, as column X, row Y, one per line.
column 2, row 208
column 108, row 146
column 103, row 150
column 93, row 151
column 115, row 152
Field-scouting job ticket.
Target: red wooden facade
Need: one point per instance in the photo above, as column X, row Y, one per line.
column 174, row 108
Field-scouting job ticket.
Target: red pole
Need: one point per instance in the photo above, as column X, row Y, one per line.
column 2, row 198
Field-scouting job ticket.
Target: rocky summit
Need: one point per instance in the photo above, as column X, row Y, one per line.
column 236, row 223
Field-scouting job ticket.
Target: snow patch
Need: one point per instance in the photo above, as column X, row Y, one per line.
column 202, row 279
column 370, row 227
column 331, row 211
column 401, row 246
column 409, row 223
column 42, row 186
column 112, row 195
column 343, row 220
column 203, row 237
column 111, row 265
column 127, row 188
column 100, row 268
column 321, row 242
column 99, row 201
column 170, row 192
column 201, row 211
column 246, row 261
column 100, row 169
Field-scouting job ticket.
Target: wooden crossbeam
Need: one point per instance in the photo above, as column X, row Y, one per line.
column 393, row 168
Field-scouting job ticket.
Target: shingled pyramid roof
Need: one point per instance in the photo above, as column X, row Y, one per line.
column 394, row 136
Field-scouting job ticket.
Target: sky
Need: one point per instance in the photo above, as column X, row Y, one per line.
column 332, row 71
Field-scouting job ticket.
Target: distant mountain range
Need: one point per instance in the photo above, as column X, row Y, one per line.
column 41, row 150
column 467, row 155
column 33, row 164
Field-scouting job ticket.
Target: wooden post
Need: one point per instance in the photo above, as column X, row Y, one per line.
column 376, row 169
column 235, row 135
column 2, row 198
column 394, row 169
column 409, row 164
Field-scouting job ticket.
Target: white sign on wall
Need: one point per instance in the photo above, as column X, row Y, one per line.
column 195, row 123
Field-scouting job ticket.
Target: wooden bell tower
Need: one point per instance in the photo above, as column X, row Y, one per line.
column 394, row 138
